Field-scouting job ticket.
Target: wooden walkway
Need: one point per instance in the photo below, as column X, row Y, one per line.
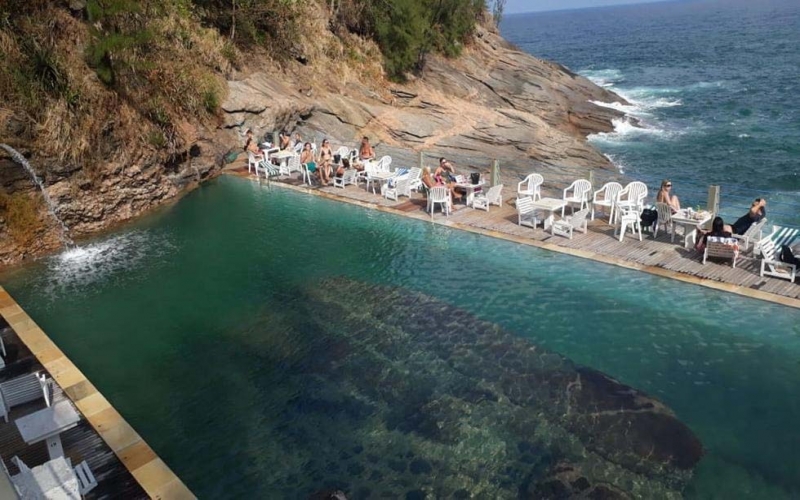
column 122, row 463
column 656, row 256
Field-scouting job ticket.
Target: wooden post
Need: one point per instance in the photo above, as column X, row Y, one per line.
column 421, row 160
column 591, row 177
column 712, row 205
column 495, row 178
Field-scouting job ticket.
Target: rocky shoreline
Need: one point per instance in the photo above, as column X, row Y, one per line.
column 493, row 102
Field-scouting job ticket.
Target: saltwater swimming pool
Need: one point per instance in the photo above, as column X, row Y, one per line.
column 193, row 322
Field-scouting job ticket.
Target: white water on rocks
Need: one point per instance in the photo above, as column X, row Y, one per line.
column 51, row 206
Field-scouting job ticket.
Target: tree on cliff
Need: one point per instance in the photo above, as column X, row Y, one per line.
column 408, row 30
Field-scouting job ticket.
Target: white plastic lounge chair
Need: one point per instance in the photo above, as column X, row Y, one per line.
column 440, row 195
column 400, row 188
column 527, row 215
column 664, row 219
column 348, row 177
column 721, row 248
column 605, row 197
column 384, row 164
column 769, row 248
column 628, row 217
column 578, row 221
column 23, row 390
column 753, row 234
column 531, row 186
column 414, row 177
column 577, row 194
column 494, row 196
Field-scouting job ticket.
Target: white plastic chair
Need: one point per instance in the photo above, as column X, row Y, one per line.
column 342, row 152
column 629, row 216
column 631, row 196
column 605, row 197
column 494, row 196
column 86, row 480
column 308, row 177
column 400, row 188
column 440, row 195
column 253, row 161
column 292, row 165
column 751, row 236
column 577, row 193
column 721, row 248
column 664, row 219
column 527, row 215
column 577, row 221
column 348, row 177
column 531, row 186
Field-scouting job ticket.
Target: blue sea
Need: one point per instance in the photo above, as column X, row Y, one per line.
column 714, row 84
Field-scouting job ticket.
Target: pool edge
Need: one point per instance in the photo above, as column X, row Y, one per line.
column 152, row 473
column 585, row 254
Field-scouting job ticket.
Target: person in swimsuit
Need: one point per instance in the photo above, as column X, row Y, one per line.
column 284, row 141
column 365, row 152
column 664, row 196
column 307, row 157
column 758, row 210
column 325, row 162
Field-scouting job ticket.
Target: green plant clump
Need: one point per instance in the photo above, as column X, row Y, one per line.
column 408, row 30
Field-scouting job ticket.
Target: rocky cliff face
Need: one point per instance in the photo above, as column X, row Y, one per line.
column 494, row 102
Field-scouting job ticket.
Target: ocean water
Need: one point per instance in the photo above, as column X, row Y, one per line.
column 714, row 84
column 214, row 327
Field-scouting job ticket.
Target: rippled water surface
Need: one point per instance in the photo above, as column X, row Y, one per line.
column 194, row 323
column 713, row 82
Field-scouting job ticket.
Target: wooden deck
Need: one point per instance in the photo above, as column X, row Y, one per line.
column 121, row 461
column 656, row 256
column 80, row 443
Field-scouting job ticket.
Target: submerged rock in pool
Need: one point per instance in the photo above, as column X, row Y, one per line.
column 483, row 412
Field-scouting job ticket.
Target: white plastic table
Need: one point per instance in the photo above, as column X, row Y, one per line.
column 47, row 424
column 470, row 189
column 380, row 177
column 690, row 222
column 549, row 205
column 54, row 480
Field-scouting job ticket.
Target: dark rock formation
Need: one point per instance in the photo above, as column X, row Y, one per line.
column 448, row 406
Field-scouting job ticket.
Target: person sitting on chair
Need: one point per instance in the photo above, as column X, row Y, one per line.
column 307, row 158
column 758, row 210
column 665, row 196
column 285, row 141
column 718, row 228
column 365, row 152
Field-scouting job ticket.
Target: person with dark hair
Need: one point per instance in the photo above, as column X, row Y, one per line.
column 365, row 152
column 307, row 158
column 284, row 141
column 758, row 210
column 718, row 228
column 445, row 168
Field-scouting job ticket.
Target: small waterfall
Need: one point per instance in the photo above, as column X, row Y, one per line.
column 51, row 207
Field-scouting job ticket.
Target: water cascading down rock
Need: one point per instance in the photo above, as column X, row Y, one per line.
column 51, row 206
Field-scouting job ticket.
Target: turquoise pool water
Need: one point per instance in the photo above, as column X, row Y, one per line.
column 190, row 322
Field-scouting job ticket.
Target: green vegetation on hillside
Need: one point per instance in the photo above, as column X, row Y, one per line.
column 408, row 30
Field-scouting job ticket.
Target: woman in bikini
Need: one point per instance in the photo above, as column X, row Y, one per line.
column 325, row 161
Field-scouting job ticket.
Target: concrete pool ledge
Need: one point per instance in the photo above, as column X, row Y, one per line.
column 152, row 474
column 744, row 291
